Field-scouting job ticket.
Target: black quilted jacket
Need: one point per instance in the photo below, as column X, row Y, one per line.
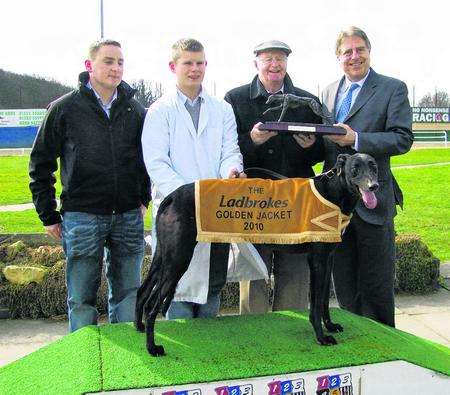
column 102, row 170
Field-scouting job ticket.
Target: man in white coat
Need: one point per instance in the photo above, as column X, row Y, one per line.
column 189, row 135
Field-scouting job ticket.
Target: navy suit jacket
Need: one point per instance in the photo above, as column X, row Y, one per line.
column 381, row 115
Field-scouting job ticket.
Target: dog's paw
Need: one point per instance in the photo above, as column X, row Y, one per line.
column 156, row 351
column 140, row 327
column 327, row 341
column 333, row 328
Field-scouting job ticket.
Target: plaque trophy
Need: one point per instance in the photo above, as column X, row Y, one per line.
column 284, row 101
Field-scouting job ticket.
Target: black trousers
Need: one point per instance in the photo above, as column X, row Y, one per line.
column 290, row 287
column 363, row 271
column 218, row 267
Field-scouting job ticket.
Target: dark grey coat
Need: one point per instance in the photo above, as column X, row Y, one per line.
column 281, row 153
column 381, row 115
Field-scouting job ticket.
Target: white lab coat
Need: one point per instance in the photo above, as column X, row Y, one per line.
column 176, row 154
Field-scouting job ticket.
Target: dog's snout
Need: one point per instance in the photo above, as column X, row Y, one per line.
column 373, row 187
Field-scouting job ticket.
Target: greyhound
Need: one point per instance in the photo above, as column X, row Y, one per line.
column 353, row 177
column 288, row 100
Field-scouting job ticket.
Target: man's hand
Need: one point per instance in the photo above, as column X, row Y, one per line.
column 234, row 173
column 343, row 140
column 304, row 140
column 143, row 210
column 260, row 136
column 54, row 231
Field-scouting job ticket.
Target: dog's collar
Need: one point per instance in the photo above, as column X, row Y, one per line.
column 329, row 174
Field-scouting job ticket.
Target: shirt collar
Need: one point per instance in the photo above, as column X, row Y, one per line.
column 109, row 104
column 262, row 91
column 281, row 90
column 185, row 99
column 348, row 83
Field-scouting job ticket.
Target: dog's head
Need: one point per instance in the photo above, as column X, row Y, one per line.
column 277, row 98
column 360, row 172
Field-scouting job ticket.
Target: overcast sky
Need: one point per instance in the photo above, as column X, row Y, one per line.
column 410, row 40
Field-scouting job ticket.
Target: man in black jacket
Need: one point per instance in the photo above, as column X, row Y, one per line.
column 290, row 155
column 95, row 130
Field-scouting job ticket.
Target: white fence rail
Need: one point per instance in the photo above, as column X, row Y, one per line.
column 431, row 137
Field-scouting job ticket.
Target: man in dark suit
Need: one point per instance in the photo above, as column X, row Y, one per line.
column 290, row 155
column 375, row 112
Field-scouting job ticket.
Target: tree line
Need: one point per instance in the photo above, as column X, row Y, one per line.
column 436, row 99
column 24, row 91
column 18, row 91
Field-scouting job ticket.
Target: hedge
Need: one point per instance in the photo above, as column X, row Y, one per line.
column 417, row 271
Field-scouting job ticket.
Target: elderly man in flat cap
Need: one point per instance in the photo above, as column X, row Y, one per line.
column 290, row 155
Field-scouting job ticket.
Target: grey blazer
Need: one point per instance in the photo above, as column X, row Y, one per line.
column 381, row 115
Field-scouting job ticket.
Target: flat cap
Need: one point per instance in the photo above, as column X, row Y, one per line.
column 272, row 44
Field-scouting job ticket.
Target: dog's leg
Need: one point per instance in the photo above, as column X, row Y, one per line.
column 312, row 288
column 317, row 264
column 151, row 310
column 142, row 295
column 160, row 295
column 272, row 109
column 168, row 299
column 145, row 289
column 175, row 264
column 284, row 106
column 150, row 317
column 331, row 326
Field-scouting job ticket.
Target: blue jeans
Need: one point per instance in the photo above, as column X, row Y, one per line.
column 85, row 237
column 194, row 310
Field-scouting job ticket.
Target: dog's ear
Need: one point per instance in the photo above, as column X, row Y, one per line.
column 340, row 162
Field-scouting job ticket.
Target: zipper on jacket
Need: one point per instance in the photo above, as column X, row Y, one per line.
column 113, row 156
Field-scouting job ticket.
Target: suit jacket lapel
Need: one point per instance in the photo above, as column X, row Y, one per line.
column 334, row 96
column 330, row 99
column 365, row 94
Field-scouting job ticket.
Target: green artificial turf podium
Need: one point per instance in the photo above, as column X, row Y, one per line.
column 114, row 357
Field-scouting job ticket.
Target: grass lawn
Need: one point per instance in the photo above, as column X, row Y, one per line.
column 426, row 206
column 20, row 222
column 14, row 180
column 421, row 157
column 14, row 172
column 28, row 222
column 427, row 210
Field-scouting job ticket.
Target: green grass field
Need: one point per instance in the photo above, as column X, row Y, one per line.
column 28, row 222
column 14, row 172
column 422, row 157
column 425, row 156
column 426, row 211
column 20, row 222
column 14, row 180
column 426, row 206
